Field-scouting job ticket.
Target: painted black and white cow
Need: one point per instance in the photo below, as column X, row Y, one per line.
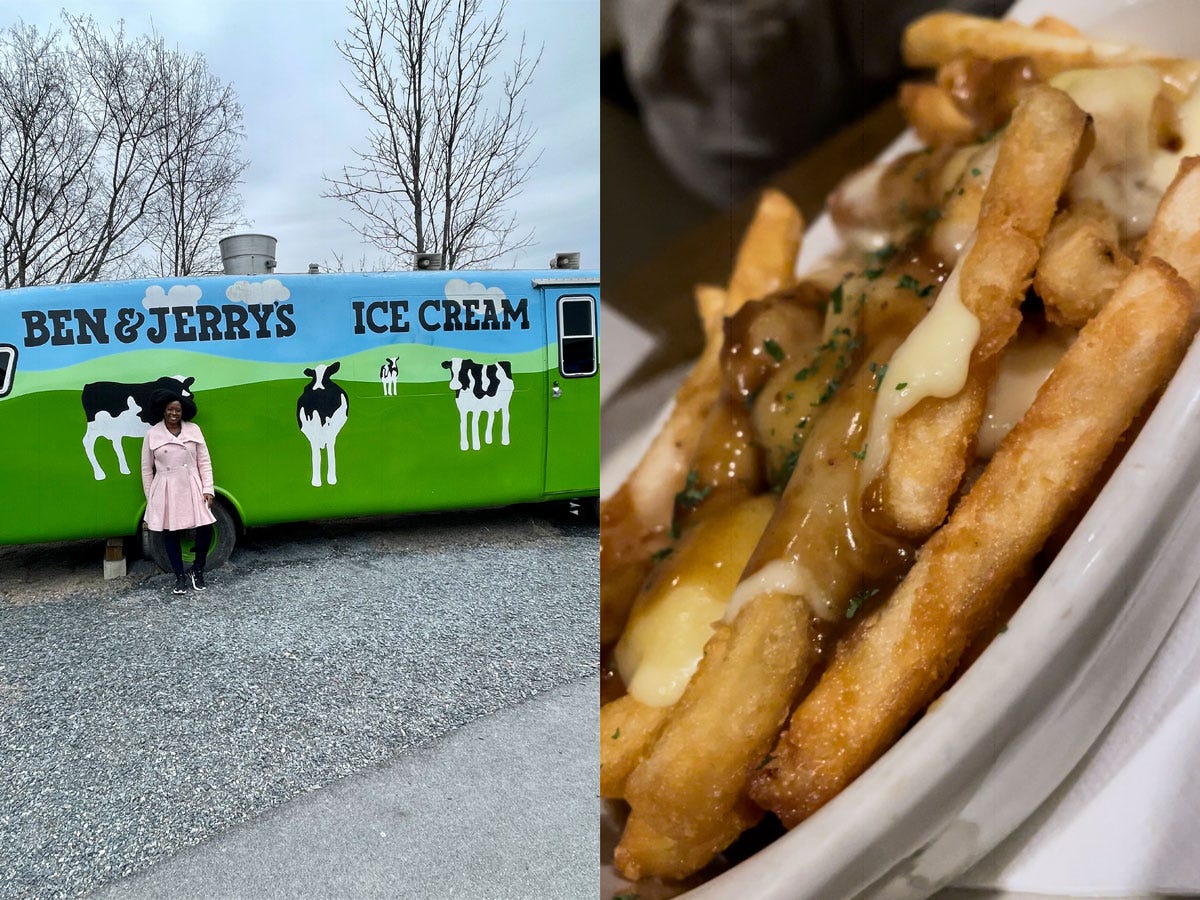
column 116, row 410
column 389, row 374
column 322, row 410
column 480, row 388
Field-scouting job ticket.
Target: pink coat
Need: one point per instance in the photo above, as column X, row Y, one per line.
column 176, row 474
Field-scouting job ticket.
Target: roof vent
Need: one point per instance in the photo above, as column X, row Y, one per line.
column 314, row 269
column 424, row 261
column 565, row 261
column 248, row 254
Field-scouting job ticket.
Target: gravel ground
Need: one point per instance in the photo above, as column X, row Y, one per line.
column 134, row 723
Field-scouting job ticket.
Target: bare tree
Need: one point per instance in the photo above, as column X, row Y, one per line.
column 198, row 146
column 49, row 191
column 88, row 150
column 446, row 151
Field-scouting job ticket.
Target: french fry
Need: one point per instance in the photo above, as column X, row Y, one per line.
column 915, row 468
column 931, row 448
column 628, row 729
column 766, row 258
column 1173, row 234
column 932, row 113
column 937, row 38
column 689, row 793
column 645, row 852
column 635, row 521
column 896, row 663
column 1081, row 264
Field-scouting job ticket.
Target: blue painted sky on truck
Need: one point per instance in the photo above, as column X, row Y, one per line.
column 300, row 124
column 302, row 318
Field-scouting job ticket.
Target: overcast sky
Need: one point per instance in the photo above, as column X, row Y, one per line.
column 280, row 57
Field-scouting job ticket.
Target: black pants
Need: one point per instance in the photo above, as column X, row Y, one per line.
column 175, row 554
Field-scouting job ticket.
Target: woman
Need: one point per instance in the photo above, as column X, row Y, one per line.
column 177, row 478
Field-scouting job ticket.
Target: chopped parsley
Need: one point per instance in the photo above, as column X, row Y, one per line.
column 629, row 896
column 616, row 734
column 765, row 760
column 773, row 349
column 901, row 385
column 692, row 494
column 835, row 300
column 784, row 475
column 858, row 600
column 879, row 370
column 662, row 554
column 872, row 274
column 807, row 371
column 831, row 387
column 907, row 282
column 976, row 172
column 860, row 454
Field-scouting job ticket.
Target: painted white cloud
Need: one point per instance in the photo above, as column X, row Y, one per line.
column 460, row 288
column 178, row 295
column 257, row 292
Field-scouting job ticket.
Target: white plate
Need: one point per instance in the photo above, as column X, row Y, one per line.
column 1027, row 711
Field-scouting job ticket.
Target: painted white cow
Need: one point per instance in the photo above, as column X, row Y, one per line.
column 116, row 410
column 480, row 388
column 389, row 374
column 322, row 410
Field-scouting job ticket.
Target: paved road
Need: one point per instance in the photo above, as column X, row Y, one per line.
column 328, row 658
column 422, row 827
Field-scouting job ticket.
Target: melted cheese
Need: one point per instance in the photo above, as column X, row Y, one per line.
column 932, row 362
column 1127, row 171
column 664, row 639
column 782, row 577
column 1025, row 366
column 960, row 216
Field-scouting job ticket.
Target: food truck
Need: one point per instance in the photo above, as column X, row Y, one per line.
column 320, row 395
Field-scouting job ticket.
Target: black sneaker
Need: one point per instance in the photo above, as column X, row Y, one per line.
column 181, row 585
column 197, row 579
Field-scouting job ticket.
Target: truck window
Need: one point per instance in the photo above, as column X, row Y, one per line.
column 8, row 364
column 577, row 336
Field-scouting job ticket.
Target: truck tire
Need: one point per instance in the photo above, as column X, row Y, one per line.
column 223, row 540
